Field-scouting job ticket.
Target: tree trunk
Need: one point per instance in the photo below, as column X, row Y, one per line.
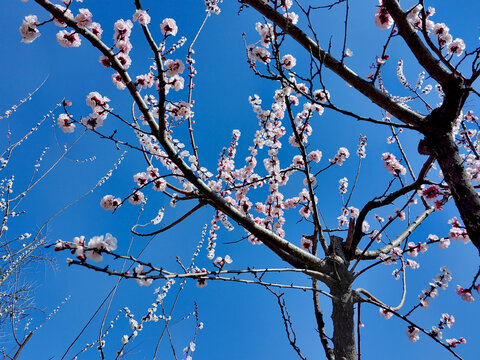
column 343, row 323
column 344, row 346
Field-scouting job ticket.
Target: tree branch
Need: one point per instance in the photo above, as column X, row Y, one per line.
column 365, row 87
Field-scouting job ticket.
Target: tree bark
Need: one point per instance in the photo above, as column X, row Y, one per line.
column 464, row 194
column 343, row 322
column 344, row 345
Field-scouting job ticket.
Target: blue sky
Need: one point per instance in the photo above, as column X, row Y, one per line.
column 241, row 322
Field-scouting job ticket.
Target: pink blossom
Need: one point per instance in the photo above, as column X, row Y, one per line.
column 29, row 30
column 465, row 294
column 440, row 29
column 125, row 46
column 140, row 276
column 288, row 61
column 92, row 121
column 97, row 102
column 365, row 226
column 266, row 33
column 437, row 204
column 159, row 185
column 298, row 161
column 343, row 185
column 305, row 212
column 354, row 212
column 118, row 81
column 470, row 117
column 385, row 313
column 105, row 61
column 395, row 253
column 140, row 178
column 124, row 60
column 413, row 250
column 109, row 202
column 340, row 156
column 286, row 4
column 200, row 282
column 152, row 172
column 382, row 18
column 362, row 143
column 454, row 222
column 449, row 320
column 413, row 333
column 321, row 96
column 96, row 29
column 68, row 39
column 176, row 83
column 65, row 123
column 315, row 156
column 137, row 198
column 79, row 245
column 212, row 6
column 412, row 264
column 144, row 81
column 220, row 262
column 306, row 243
column 122, row 29
column 142, row 17
column 169, row 27
column 444, row 243
column 259, row 53
column 457, row 46
column 84, row 19
column 457, row 233
column 292, row 17
column 436, row 332
column 174, row 67
column 179, row 110
column 454, row 342
column 392, row 165
column 99, row 243
column 66, row 12
column 400, row 214
column 342, row 220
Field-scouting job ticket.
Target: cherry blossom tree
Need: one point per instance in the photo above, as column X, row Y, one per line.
column 281, row 180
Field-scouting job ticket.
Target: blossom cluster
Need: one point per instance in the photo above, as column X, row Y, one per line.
column 413, row 333
column 64, row 121
column 466, row 294
column 441, row 281
column 392, row 165
column 457, row 231
column 29, row 30
column 220, row 262
column 93, row 250
column 341, row 155
column 140, row 278
column 419, row 19
column 267, row 35
column 445, row 320
column 212, row 6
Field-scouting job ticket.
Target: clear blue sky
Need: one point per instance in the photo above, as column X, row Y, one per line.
column 241, row 322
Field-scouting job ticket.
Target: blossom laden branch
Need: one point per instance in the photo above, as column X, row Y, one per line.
column 366, row 88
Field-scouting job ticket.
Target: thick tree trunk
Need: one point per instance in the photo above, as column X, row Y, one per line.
column 344, row 346
column 343, row 323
